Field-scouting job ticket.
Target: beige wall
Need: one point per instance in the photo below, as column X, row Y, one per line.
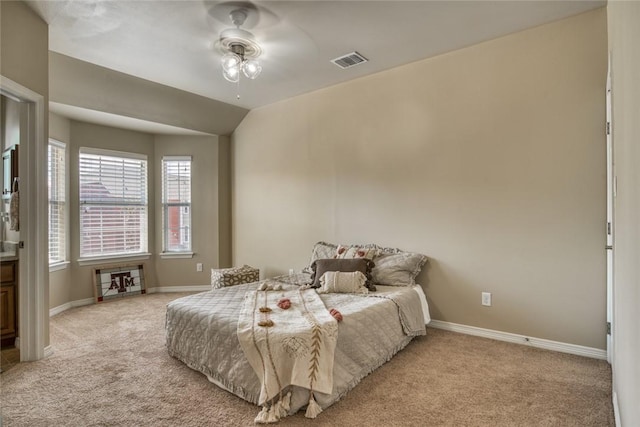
column 59, row 128
column 24, row 43
column 224, row 201
column 60, row 281
column 86, row 85
column 205, row 209
column 490, row 160
column 624, row 33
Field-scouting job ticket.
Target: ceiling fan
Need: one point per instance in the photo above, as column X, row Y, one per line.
column 239, row 47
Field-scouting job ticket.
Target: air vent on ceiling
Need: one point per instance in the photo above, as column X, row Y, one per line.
column 349, row 60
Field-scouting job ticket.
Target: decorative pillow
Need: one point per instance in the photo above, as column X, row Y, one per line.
column 368, row 251
column 324, row 250
column 321, row 250
column 342, row 282
column 363, row 265
column 224, row 277
column 395, row 267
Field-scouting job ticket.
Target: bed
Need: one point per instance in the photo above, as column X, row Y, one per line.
column 202, row 331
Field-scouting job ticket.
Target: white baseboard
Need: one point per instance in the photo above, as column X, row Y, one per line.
column 616, row 410
column 578, row 350
column 66, row 306
column 161, row 289
column 192, row 288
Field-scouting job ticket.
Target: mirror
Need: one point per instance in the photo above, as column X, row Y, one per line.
column 10, row 170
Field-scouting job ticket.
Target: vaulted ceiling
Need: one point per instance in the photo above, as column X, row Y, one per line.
column 173, row 42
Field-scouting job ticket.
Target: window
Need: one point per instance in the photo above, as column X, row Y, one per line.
column 113, row 203
column 176, row 203
column 56, row 173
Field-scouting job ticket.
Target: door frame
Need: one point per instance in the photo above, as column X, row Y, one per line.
column 33, row 257
column 611, row 193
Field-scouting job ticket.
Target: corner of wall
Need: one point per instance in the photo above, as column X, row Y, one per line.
column 224, row 201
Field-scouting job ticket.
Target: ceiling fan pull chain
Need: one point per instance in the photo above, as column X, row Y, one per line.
column 238, row 89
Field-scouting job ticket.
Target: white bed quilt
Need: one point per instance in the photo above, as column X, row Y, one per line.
column 201, row 331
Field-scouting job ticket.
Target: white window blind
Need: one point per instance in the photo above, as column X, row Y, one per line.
column 176, row 203
column 113, row 203
column 56, row 172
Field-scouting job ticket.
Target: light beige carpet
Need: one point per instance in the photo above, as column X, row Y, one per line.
column 110, row 368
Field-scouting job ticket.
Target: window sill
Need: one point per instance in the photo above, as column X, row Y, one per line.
column 62, row 265
column 176, row 255
column 113, row 258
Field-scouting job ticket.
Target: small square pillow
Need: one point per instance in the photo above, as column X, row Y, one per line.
column 341, row 282
column 356, row 252
column 223, row 277
column 320, row 266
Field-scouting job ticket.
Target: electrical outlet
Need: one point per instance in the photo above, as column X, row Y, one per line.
column 486, row 299
column 199, row 266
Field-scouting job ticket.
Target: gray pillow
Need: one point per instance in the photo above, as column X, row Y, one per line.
column 397, row 268
column 320, row 266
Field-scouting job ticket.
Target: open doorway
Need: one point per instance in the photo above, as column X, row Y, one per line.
column 25, row 226
column 13, row 125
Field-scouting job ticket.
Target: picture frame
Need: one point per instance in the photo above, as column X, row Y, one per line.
column 118, row 281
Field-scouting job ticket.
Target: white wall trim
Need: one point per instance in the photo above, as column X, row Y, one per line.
column 34, row 257
column 48, row 351
column 161, row 289
column 616, row 410
column 176, row 255
column 111, row 259
column 59, row 265
column 192, row 288
column 66, row 306
column 578, row 350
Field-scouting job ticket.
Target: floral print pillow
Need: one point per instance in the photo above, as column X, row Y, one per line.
column 356, row 252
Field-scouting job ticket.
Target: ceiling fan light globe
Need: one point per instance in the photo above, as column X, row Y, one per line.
column 232, row 74
column 231, row 61
column 251, row 68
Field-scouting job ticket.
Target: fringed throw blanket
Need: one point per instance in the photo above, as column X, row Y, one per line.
column 289, row 338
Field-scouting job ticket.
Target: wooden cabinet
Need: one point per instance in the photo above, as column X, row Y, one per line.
column 8, row 301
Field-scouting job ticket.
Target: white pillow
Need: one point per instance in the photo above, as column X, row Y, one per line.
column 343, row 282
